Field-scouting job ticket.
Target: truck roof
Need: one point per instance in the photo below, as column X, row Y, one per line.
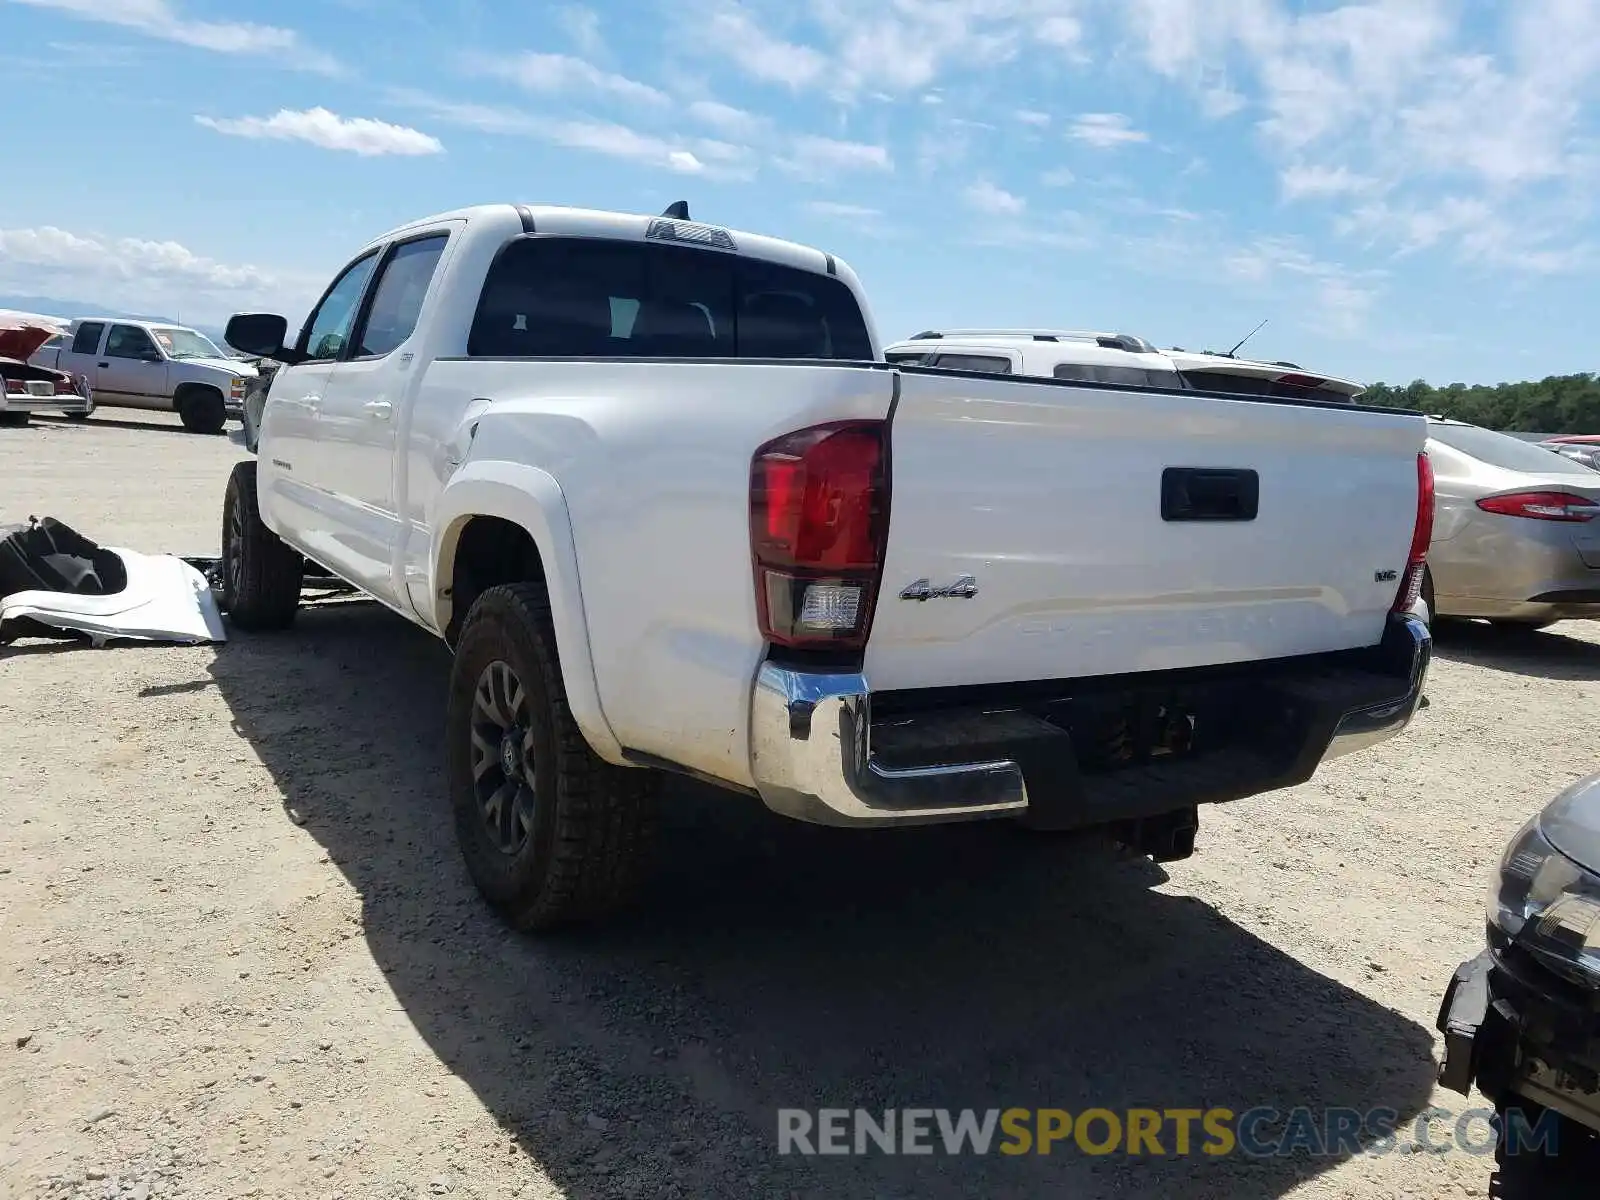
column 599, row 223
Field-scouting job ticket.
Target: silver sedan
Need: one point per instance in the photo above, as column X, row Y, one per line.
column 1516, row 530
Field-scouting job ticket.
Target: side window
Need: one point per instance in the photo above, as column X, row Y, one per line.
column 397, row 298
column 129, row 341
column 328, row 329
column 1074, row 371
column 87, row 339
column 908, row 358
column 974, row 362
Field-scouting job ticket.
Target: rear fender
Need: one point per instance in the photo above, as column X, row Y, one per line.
column 532, row 500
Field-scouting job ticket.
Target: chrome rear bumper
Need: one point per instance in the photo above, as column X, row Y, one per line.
column 812, row 756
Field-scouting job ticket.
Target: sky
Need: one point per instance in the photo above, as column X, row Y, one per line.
column 1402, row 188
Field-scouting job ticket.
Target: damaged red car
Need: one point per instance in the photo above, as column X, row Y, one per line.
column 28, row 388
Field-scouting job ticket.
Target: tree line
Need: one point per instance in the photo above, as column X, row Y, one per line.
column 1557, row 404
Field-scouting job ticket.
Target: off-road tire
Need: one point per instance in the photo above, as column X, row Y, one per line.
column 1568, row 1174
column 260, row 574
column 592, row 825
column 201, row 409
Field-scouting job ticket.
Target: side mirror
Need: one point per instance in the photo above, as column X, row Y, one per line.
column 259, row 334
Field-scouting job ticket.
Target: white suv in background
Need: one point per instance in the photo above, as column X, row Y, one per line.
column 1114, row 358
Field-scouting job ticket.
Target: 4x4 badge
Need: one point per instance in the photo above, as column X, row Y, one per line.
column 964, row 588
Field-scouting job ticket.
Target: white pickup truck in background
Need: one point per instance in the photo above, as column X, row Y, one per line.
column 653, row 482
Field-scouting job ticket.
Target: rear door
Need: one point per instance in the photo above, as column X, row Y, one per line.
column 1044, row 530
column 132, row 371
column 81, row 356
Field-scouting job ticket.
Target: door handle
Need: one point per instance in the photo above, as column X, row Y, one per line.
column 311, row 403
column 102, row 364
column 378, row 410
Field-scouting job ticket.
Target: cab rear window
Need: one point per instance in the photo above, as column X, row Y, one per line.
column 590, row 298
column 1251, row 385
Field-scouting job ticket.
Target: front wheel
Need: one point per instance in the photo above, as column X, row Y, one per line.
column 551, row 834
column 201, row 410
column 261, row 575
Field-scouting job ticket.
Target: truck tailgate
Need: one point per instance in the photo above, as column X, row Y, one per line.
column 1108, row 531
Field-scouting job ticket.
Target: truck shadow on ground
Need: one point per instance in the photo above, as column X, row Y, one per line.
column 1541, row 654
column 776, row 965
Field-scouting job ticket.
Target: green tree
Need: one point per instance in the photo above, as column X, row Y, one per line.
column 1556, row 404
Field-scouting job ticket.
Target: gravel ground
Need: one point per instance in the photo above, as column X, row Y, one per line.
column 241, row 956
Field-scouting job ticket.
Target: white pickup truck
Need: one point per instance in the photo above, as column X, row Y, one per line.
column 653, row 482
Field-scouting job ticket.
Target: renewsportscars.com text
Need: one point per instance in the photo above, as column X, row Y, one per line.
column 1261, row 1132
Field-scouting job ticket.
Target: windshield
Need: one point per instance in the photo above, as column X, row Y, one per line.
column 185, row 343
column 1503, row 450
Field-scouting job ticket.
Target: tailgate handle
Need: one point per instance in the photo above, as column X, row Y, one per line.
column 1209, row 494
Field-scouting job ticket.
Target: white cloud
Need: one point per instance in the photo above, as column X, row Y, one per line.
column 1062, row 32
column 143, row 275
column 892, row 49
column 1060, row 177
column 734, row 32
column 821, row 157
column 727, row 120
column 1105, row 130
column 354, row 135
column 558, row 74
column 1341, row 298
column 987, row 197
column 582, row 25
column 1029, row 116
column 832, row 208
column 1303, row 180
column 692, row 156
column 161, row 19
column 1474, row 123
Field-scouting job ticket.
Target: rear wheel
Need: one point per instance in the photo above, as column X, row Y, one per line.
column 260, row 574
column 1564, row 1169
column 551, row 834
column 201, row 409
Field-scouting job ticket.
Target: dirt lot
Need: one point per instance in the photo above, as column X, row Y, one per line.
column 241, row 957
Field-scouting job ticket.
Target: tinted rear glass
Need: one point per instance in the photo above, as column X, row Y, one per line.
column 1251, row 385
column 1119, row 376
column 575, row 297
column 1503, row 450
column 974, row 362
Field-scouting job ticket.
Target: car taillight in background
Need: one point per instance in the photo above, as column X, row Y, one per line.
column 819, row 515
column 1541, row 506
column 1421, row 535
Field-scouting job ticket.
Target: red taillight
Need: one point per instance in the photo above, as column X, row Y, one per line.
column 819, row 513
column 16, row 386
column 1421, row 535
column 1304, row 381
column 1541, row 506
